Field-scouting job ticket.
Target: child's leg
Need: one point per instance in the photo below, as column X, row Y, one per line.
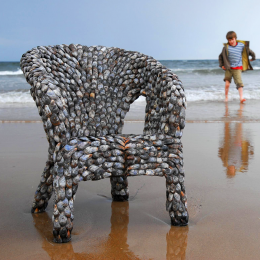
column 240, row 91
column 227, row 84
column 227, row 79
column 239, row 84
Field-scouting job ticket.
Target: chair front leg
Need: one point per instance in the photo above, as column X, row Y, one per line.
column 65, row 193
column 176, row 200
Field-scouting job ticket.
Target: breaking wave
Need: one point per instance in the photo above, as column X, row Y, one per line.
column 22, row 97
column 11, row 73
column 193, row 95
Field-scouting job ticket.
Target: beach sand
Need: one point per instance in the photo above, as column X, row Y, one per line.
column 196, row 111
column 224, row 207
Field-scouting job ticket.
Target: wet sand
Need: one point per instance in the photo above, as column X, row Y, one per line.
column 203, row 111
column 224, row 206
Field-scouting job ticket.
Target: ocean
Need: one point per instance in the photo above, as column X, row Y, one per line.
column 202, row 81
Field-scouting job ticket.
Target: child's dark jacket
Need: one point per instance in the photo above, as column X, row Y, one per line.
column 224, row 61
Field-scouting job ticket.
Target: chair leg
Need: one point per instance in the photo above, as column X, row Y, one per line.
column 65, row 193
column 119, row 188
column 176, row 201
column 44, row 190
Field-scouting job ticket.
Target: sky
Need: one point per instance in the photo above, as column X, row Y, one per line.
column 164, row 29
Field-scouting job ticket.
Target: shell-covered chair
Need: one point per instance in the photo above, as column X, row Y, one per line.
column 83, row 94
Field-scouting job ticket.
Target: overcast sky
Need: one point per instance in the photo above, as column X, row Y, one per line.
column 164, row 29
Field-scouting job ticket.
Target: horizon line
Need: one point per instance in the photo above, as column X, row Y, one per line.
column 157, row 59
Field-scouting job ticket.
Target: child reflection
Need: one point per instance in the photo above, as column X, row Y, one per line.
column 114, row 246
column 235, row 150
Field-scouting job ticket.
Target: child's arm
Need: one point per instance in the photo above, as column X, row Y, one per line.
column 252, row 54
column 220, row 60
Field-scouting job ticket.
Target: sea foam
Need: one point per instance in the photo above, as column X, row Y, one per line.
column 11, row 73
column 22, row 97
column 192, row 95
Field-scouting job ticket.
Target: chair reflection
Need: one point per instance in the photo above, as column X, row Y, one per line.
column 177, row 239
column 235, row 149
column 115, row 246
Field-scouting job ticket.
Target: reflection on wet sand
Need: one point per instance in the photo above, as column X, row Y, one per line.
column 177, row 239
column 115, row 246
column 235, row 150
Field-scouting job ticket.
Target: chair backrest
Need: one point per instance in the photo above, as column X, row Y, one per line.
column 82, row 91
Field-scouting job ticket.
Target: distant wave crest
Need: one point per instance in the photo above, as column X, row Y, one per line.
column 11, row 73
column 23, row 97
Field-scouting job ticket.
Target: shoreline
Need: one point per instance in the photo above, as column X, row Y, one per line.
column 203, row 112
column 142, row 121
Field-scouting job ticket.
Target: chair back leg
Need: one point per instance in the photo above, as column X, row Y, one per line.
column 119, row 188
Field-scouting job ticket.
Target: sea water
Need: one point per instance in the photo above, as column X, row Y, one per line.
column 202, row 81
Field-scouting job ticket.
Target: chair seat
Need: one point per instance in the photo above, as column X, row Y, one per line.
column 94, row 158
